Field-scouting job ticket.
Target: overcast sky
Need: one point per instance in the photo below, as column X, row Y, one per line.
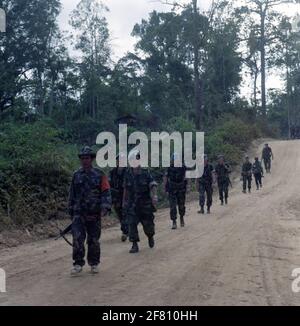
column 123, row 15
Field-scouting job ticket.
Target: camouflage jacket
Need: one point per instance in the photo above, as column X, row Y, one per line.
column 207, row 177
column 222, row 172
column 257, row 168
column 247, row 169
column 176, row 178
column 267, row 153
column 89, row 193
column 116, row 180
column 138, row 187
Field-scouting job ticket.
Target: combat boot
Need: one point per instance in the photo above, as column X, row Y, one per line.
column 151, row 242
column 124, row 237
column 208, row 210
column 94, row 269
column 249, row 190
column 76, row 270
column 202, row 210
column 174, row 227
column 182, row 223
column 222, row 203
column 135, row 248
column 226, row 201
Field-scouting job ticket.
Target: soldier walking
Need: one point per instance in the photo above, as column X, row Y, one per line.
column 205, row 186
column 267, row 157
column 176, row 186
column 258, row 173
column 222, row 172
column 116, row 180
column 139, row 202
column 89, row 200
column 247, row 175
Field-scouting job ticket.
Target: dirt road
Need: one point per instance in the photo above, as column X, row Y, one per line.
column 242, row 254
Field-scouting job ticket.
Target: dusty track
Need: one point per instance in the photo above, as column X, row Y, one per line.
column 242, row 254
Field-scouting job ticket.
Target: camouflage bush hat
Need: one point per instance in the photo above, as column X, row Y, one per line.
column 87, row 151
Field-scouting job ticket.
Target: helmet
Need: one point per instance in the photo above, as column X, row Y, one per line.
column 87, row 151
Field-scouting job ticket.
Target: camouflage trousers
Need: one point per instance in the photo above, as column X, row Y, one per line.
column 206, row 194
column 121, row 216
column 143, row 214
column 223, row 186
column 177, row 198
column 258, row 179
column 83, row 229
column 268, row 164
column 247, row 182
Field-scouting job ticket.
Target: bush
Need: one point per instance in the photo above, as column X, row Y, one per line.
column 35, row 172
column 231, row 138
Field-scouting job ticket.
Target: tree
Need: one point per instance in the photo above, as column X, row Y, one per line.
column 92, row 41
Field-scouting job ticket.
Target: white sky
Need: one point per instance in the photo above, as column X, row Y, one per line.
column 124, row 14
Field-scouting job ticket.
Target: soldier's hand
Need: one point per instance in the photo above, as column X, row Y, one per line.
column 104, row 212
column 155, row 201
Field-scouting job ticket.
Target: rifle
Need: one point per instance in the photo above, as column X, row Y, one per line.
column 63, row 233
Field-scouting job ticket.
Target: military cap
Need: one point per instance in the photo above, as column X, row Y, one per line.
column 87, row 151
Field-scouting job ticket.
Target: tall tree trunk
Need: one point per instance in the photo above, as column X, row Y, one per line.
column 263, row 62
column 198, row 85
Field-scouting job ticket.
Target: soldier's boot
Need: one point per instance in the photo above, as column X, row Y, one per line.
column 222, row 202
column 244, row 191
column 201, row 210
column 249, row 190
column 174, row 226
column 151, row 242
column 76, row 270
column 135, row 248
column 182, row 222
column 226, row 201
column 208, row 210
column 94, row 269
column 124, row 237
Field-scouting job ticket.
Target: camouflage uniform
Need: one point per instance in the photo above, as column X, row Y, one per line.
column 176, row 187
column 267, row 155
column 223, row 171
column 138, row 205
column 205, row 186
column 89, row 195
column 116, row 179
column 247, row 176
column 258, row 172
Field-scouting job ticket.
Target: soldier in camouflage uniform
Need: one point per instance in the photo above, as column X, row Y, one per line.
column 223, row 171
column 139, row 203
column 267, row 157
column 258, row 173
column 116, row 180
column 176, row 186
column 205, row 186
column 247, row 175
column 89, row 200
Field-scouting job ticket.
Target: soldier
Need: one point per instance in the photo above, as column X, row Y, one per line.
column 247, row 175
column 258, row 173
column 89, row 200
column 139, row 202
column 267, row 157
column 116, row 179
column 205, row 185
column 222, row 171
column 175, row 183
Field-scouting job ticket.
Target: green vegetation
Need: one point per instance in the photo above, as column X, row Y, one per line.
column 185, row 74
